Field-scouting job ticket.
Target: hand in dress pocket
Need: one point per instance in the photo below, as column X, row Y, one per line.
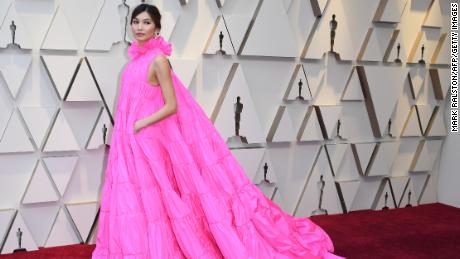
column 138, row 125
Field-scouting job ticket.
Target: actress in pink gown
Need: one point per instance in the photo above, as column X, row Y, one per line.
column 173, row 189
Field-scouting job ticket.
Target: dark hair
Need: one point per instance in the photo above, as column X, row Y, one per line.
column 151, row 10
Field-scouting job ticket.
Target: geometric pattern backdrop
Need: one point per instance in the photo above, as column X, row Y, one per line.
column 58, row 93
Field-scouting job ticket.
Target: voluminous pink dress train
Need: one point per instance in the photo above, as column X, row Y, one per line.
column 174, row 189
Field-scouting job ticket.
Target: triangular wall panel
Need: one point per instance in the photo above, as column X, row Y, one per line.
column 309, row 201
column 15, row 137
column 353, row 90
column 11, row 242
column 22, row 35
column 40, row 187
column 363, row 153
column 13, row 68
column 61, row 137
column 38, row 120
column 59, row 35
column 249, row 124
column 310, row 129
column 83, row 216
column 83, row 87
column 60, row 169
column 382, row 86
column 272, row 17
column 62, row 232
column 61, row 70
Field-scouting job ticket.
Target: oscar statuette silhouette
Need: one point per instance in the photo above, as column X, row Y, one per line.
column 320, row 211
column 299, row 84
column 386, row 200
column 221, row 38
column 398, row 49
column 421, row 60
column 19, row 236
column 237, row 140
column 266, row 186
column 408, row 199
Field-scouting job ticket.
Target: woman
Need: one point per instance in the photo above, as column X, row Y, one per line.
column 172, row 187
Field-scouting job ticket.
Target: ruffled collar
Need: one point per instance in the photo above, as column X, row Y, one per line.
column 159, row 42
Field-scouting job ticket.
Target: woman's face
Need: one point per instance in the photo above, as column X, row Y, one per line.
column 143, row 27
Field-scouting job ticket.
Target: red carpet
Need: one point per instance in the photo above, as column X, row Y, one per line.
column 426, row 231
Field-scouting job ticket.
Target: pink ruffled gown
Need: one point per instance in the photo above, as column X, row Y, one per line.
column 174, row 189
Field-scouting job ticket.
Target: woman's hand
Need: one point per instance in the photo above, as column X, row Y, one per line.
column 138, row 125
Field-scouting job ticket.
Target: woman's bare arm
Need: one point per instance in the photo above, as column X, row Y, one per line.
column 160, row 68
